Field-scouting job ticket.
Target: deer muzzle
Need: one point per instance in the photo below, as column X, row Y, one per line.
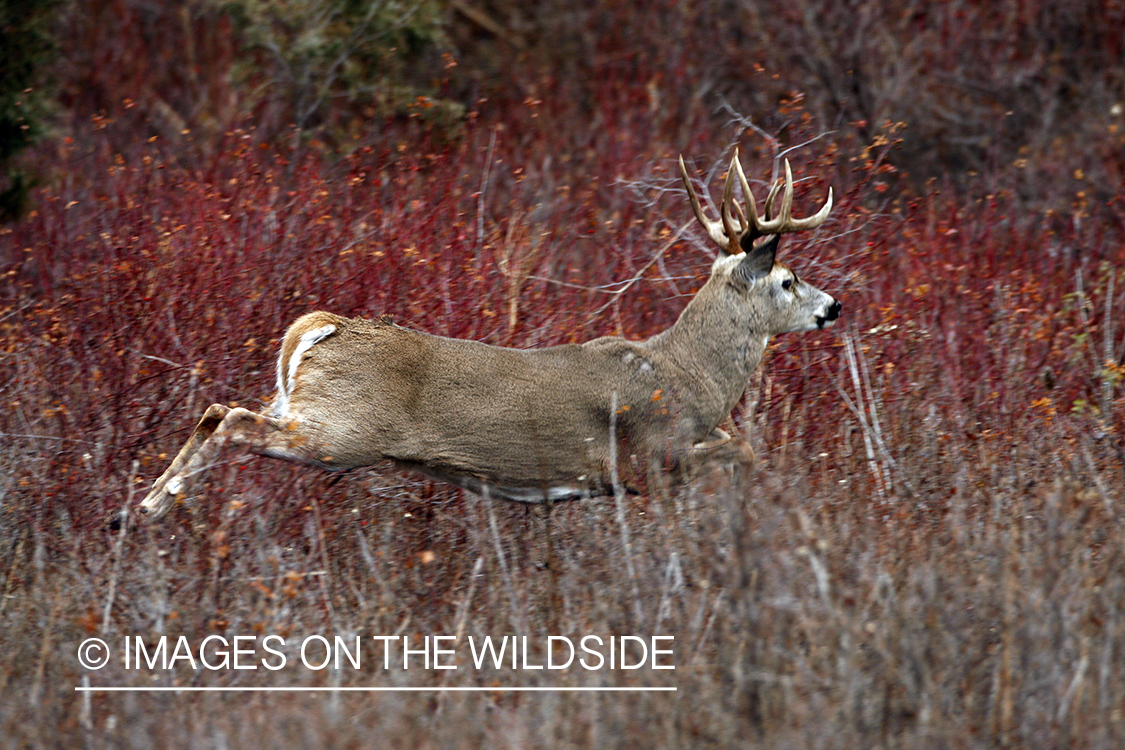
column 832, row 314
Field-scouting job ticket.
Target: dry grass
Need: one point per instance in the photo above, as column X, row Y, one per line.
column 803, row 615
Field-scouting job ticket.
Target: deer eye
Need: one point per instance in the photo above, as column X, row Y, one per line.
column 787, row 284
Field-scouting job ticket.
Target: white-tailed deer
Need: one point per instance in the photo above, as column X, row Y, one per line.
column 530, row 425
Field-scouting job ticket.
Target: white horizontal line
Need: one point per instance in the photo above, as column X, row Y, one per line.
column 161, row 689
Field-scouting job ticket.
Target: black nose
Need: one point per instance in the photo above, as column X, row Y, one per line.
column 834, row 311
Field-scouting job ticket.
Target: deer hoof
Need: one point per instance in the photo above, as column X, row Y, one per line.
column 161, row 499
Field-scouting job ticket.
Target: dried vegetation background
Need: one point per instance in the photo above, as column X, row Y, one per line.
column 931, row 551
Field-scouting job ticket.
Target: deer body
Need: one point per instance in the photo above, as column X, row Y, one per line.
column 529, row 425
column 532, row 419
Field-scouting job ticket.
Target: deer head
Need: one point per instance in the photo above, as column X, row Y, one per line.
column 780, row 302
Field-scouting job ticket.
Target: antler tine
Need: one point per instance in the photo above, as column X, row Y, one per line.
column 786, row 213
column 714, row 229
column 740, row 215
column 726, row 212
column 780, row 223
column 784, row 221
column 814, row 221
column 809, row 222
column 748, row 195
column 695, row 207
column 771, row 197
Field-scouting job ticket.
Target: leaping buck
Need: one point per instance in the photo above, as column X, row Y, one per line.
column 531, row 425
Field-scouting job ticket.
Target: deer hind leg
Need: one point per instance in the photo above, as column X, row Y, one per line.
column 267, row 436
column 211, row 419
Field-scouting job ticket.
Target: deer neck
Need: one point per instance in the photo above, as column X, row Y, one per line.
column 717, row 347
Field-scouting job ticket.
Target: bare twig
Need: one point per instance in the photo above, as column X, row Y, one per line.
column 872, row 433
column 463, row 613
column 619, row 500
column 517, row 621
column 118, row 545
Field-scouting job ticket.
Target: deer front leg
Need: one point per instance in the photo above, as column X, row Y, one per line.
column 718, row 449
column 220, row 425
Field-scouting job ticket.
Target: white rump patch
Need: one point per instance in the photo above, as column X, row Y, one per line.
column 287, row 377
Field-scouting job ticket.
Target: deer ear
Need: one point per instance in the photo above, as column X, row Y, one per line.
column 759, row 258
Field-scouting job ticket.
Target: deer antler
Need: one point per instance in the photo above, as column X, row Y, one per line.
column 738, row 227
